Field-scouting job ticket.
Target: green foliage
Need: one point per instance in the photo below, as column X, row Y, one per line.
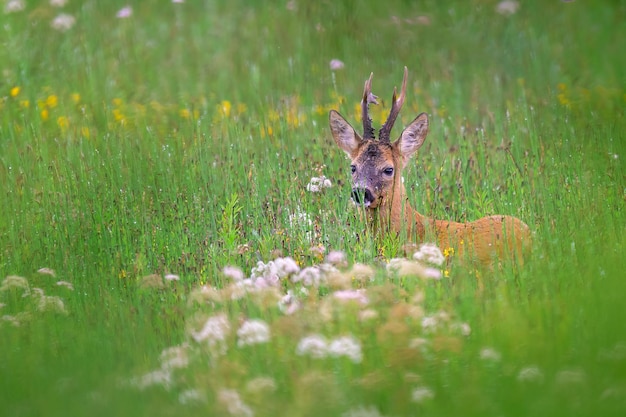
column 180, row 141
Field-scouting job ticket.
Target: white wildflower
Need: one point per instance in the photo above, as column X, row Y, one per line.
column 289, row 304
column 358, row 296
column 421, row 394
column 464, row 328
column 346, row 346
column 11, row 319
column 15, row 282
column 171, row 277
column 309, row 276
column 175, row 357
column 178, row 1
column 530, row 374
column 253, row 332
column 231, row 401
column 314, row 345
column 63, row 22
column 233, row 273
column 13, row 6
column 46, row 271
column 404, row 267
column 336, row 258
column 51, row 303
column 300, row 218
column 124, row 12
column 214, row 333
column 158, row 377
column 317, row 184
column 362, row 273
column 429, row 323
column 429, row 253
column 490, row 354
column 368, row 314
column 65, row 284
column 507, row 7
column 261, row 384
column 571, row 377
column 191, row 396
column 361, row 411
column 58, row 3
column 336, row 64
column 286, row 266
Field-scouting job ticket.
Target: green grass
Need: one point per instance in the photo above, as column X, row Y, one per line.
column 181, row 140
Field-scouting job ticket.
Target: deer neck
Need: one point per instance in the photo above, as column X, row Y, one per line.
column 395, row 214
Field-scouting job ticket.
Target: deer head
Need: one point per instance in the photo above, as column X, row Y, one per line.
column 377, row 164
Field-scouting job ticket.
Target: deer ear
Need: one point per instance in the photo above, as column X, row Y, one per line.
column 412, row 137
column 345, row 136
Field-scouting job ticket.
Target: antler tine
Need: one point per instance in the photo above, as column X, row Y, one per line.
column 396, row 105
column 368, row 97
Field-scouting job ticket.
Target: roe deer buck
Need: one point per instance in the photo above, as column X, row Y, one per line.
column 377, row 186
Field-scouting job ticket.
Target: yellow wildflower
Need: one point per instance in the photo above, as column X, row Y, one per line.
column 76, row 98
column 44, row 114
column 224, row 109
column 448, row 252
column 117, row 102
column 241, row 108
column 184, row 113
column 52, row 101
column 85, row 132
column 63, row 122
column 118, row 115
column 24, row 104
column 15, row 91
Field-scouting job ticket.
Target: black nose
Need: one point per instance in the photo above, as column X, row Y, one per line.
column 362, row 196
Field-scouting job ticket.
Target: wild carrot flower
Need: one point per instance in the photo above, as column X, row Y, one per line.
column 175, row 357
column 336, row 64
column 430, row 253
column 346, row 346
column 63, row 22
column 361, row 411
column 13, row 6
column 530, row 374
column 191, row 396
column 313, row 345
column 261, row 384
column 336, row 258
column 358, row 296
column 421, row 394
column 233, row 273
column 51, row 303
column 46, row 271
column 58, row 3
column 65, row 284
column 309, row 276
column 158, row 377
column 507, row 7
column 490, row 354
column 231, row 401
column 15, row 282
column 253, row 332
column 124, row 12
column 317, row 184
column 214, row 333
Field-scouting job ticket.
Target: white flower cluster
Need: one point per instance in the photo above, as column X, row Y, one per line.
column 429, row 253
column 270, row 274
column 316, row 346
column 214, row 333
column 253, row 332
column 317, row 184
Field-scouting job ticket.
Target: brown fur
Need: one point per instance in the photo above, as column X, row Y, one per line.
column 386, row 204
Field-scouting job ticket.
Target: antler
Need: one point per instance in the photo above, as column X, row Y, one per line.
column 368, row 97
column 396, row 105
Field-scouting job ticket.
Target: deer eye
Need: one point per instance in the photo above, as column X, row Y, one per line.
column 353, row 168
column 388, row 171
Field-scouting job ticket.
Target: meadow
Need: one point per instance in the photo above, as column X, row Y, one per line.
column 177, row 236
